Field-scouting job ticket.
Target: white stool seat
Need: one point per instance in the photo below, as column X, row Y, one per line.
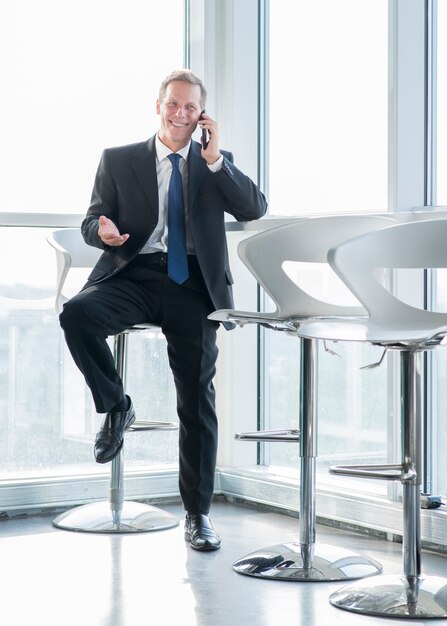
column 368, row 331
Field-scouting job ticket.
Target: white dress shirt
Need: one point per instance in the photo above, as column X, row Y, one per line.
column 158, row 241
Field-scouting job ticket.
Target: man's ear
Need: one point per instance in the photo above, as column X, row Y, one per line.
column 158, row 107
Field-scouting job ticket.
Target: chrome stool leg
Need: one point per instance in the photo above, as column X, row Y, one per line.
column 118, row 515
column 412, row 594
column 307, row 560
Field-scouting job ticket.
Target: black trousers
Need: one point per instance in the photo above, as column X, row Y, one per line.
column 142, row 292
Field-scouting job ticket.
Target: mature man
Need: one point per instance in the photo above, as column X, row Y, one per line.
column 157, row 211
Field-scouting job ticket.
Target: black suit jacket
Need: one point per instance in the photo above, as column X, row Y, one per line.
column 126, row 191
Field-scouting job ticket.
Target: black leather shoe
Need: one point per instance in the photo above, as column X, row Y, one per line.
column 109, row 440
column 200, row 532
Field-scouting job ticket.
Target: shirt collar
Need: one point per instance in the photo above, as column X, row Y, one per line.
column 163, row 151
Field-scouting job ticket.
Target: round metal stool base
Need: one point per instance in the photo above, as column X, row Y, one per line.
column 99, row 517
column 285, row 562
column 395, row 596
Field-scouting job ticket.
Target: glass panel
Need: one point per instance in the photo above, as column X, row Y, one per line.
column 439, row 405
column 79, row 77
column 439, row 425
column 441, row 94
column 328, row 136
column 351, row 402
column 328, row 99
column 48, row 420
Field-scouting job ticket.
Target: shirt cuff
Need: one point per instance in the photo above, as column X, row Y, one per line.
column 215, row 167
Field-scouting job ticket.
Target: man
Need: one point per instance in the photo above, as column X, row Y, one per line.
column 157, row 211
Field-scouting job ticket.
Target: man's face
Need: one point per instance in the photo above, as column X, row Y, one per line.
column 179, row 113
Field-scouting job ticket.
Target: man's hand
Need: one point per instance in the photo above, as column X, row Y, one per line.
column 212, row 153
column 109, row 233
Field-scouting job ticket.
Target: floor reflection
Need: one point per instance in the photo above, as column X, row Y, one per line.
column 61, row 578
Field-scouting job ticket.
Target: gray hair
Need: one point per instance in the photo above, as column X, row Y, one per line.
column 185, row 76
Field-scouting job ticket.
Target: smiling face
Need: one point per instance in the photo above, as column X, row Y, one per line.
column 179, row 112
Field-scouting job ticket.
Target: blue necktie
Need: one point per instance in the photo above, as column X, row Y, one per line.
column 177, row 255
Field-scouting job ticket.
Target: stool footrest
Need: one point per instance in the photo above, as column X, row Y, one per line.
column 151, row 425
column 381, row 472
column 270, row 435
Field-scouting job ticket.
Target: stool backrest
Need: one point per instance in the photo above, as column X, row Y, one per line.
column 306, row 241
column 417, row 244
column 71, row 252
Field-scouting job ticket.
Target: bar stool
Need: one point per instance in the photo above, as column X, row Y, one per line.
column 264, row 254
column 116, row 515
column 394, row 325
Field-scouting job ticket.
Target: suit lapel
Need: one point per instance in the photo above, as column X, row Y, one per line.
column 197, row 170
column 143, row 164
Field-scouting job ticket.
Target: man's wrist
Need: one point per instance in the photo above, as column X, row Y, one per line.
column 216, row 165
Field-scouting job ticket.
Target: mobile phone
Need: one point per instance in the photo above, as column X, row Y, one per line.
column 204, row 138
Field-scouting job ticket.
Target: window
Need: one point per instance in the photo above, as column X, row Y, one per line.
column 441, row 104
column 79, row 77
column 439, row 404
column 328, row 106
column 50, row 421
column 328, row 142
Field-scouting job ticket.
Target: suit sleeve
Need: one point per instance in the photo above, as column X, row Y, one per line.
column 103, row 202
column 245, row 202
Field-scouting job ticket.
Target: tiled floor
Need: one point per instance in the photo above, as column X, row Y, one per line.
column 53, row 577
